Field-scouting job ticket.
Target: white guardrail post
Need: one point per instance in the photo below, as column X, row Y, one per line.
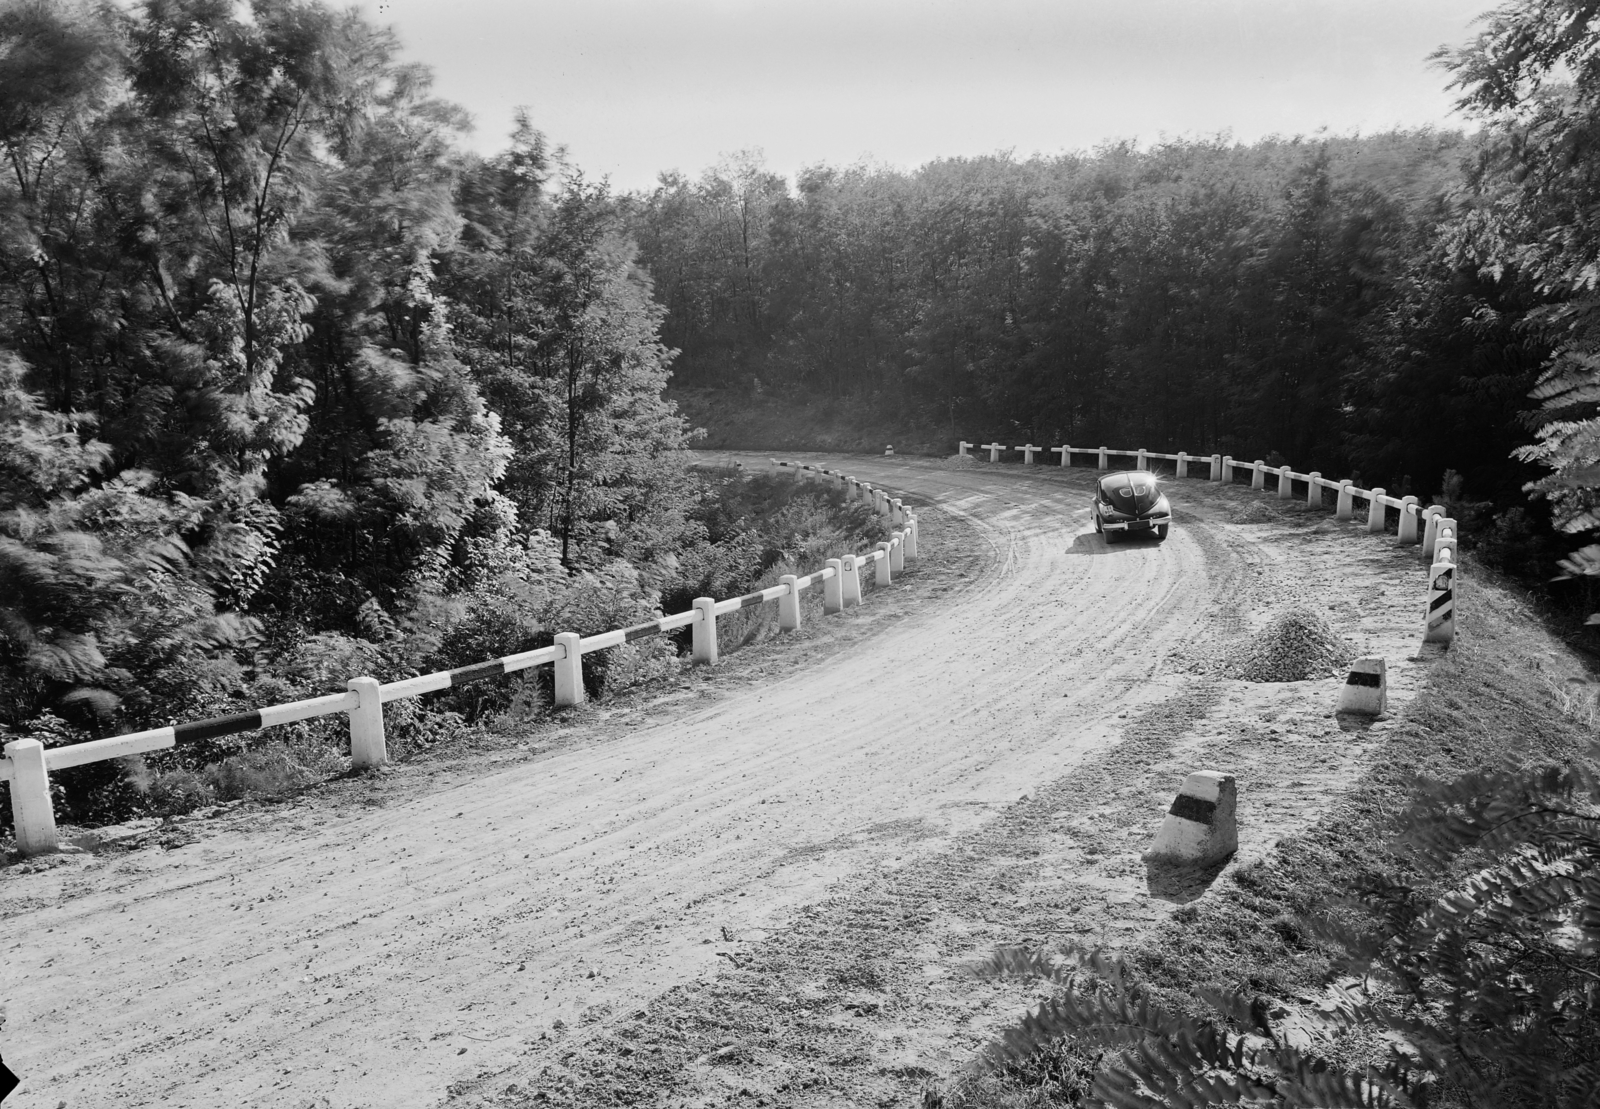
column 1441, row 618
column 833, row 588
column 1346, row 507
column 884, row 577
column 789, row 604
column 1183, row 464
column 1103, row 461
column 994, row 450
column 31, row 811
column 1144, row 460
column 1216, row 467
column 1376, row 511
column 1063, row 451
column 569, row 671
column 961, row 447
column 1444, row 544
column 897, row 552
column 1430, row 531
column 1313, row 489
column 703, row 646
column 1028, row 452
column 1285, row 482
column 852, row 580
column 911, row 536
column 1408, row 520
column 1258, row 475
column 368, row 747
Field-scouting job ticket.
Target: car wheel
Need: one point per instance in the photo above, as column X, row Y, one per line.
column 1161, row 531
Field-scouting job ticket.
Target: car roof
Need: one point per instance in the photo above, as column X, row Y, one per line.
column 1125, row 477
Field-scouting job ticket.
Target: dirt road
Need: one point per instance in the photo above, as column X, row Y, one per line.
column 466, row 940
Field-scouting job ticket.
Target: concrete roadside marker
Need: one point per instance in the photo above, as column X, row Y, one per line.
column 1313, row 490
column 1258, row 475
column 1430, row 529
column 1202, row 826
column 1347, row 506
column 1183, row 464
column 994, row 450
column 1285, row 483
column 1216, row 467
column 31, row 809
column 1144, row 460
column 961, row 447
column 1103, row 460
column 1444, row 544
column 704, row 636
column 833, row 588
column 1441, row 620
column 1366, row 690
column 1065, row 452
column 889, row 449
column 1408, row 521
column 1376, row 512
column 1027, row 453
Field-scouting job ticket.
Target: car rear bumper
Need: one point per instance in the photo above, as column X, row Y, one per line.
column 1136, row 525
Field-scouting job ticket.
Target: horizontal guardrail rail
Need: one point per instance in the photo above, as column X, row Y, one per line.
column 1428, row 527
column 27, row 762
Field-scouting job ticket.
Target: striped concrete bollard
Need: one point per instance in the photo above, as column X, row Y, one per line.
column 1366, row 689
column 1183, row 464
column 703, row 648
column 884, row 576
column 1258, row 475
column 32, row 814
column 1285, row 482
column 1104, row 460
column 1202, row 826
column 889, row 449
column 1376, row 512
column 1347, row 505
column 569, row 671
column 1313, row 490
column 368, row 747
column 833, row 588
column 1430, row 528
column 789, row 604
column 852, row 580
column 1409, row 514
column 1441, row 622
column 897, row 552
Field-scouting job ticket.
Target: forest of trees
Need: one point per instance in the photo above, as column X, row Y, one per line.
column 293, row 385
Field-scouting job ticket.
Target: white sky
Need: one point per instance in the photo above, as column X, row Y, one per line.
column 634, row 87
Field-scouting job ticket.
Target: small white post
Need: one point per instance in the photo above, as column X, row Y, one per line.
column 1258, row 475
column 1408, row 521
column 1028, row 453
column 1202, row 825
column 31, row 811
column 852, row 580
column 1430, row 533
column 888, row 449
column 368, row 747
column 789, row 604
column 897, row 552
column 1366, row 689
column 1183, row 464
column 1376, row 513
column 1216, row 467
column 911, row 537
column 884, row 577
column 1313, row 490
column 1063, row 452
column 1441, row 619
column 703, row 647
column 833, row 588
column 1227, row 469
column 1104, row 461
column 569, row 671
column 1144, row 460
column 1285, row 483
column 1347, row 503
column 994, row 450
column 961, row 447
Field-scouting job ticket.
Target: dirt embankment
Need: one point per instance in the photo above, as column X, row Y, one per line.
column 759, row 891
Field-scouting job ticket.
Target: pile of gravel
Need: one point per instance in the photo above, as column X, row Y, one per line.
column 1297, row 645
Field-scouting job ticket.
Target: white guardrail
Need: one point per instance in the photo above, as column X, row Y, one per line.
column 1430, row 527
column 27, row 762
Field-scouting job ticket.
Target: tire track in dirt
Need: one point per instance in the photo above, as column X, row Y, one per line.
column 469, row 938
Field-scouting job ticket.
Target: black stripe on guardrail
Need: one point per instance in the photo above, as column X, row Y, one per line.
column 1193, row 808
column 750, row 599
column 1361, row 677
column 216, row 726
column 461, row 675
column 639, row 631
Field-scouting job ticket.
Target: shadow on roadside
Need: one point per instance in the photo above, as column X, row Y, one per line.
column 1181, row 883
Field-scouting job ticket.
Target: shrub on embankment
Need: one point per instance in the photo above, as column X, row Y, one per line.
column 1440, row 924
column 503, row 596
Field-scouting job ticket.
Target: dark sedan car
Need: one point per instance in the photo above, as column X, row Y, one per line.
column 1129, row 502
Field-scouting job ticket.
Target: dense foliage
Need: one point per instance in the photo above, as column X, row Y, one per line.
column 293, row 388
